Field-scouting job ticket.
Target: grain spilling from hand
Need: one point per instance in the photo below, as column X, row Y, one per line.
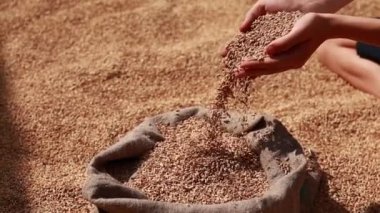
column 250, row 45
column 188, row 167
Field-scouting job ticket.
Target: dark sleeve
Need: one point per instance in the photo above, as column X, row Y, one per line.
column 368, row 51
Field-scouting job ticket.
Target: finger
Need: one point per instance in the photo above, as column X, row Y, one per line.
column 223, row 51
column 258, row 65
column 249, row 73
column 257, row 10
column 285, row 43
column 291, row 59
column 254, row 68
column 268, row 66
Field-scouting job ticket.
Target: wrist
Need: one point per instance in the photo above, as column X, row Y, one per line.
column 331, row 29
column 322, row 6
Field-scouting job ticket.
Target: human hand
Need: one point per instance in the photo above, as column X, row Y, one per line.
column 292, row 50
column 262, row 7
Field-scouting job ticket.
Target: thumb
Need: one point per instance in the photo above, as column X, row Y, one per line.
column 257, row 10
column 284, row 43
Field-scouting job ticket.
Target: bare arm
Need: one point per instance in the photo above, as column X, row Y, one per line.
column 355, row 28
column 323, row 6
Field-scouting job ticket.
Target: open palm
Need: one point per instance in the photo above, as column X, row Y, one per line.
column 292, row 50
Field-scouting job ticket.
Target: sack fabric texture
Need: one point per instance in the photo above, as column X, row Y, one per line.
column 292, row 192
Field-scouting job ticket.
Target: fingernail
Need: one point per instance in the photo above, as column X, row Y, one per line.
column 243, row 28
column 242, row 65
column 247, row 58
column 269, row 50
column 239, row 72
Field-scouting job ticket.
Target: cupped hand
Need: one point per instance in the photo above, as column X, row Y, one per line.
column 292, row 50
column 262, row 7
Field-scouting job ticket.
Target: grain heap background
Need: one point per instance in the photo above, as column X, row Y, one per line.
column 75, row 75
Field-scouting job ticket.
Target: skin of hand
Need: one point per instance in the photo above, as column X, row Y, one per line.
column 262, row 7
column 310, row 31
column 292, row 50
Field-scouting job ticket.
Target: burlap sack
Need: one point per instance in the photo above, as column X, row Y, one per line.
column 291, row 192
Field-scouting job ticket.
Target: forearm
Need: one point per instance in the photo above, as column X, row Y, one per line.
column 335, row 5
column 322, row 6
column 355, row 28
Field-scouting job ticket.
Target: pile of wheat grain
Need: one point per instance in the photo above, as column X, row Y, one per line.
column 188, row 167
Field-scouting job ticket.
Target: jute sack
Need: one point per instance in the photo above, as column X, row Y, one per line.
column 291, row 192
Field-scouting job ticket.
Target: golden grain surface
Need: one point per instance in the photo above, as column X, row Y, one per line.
column 76, row 74
column 191, row 167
